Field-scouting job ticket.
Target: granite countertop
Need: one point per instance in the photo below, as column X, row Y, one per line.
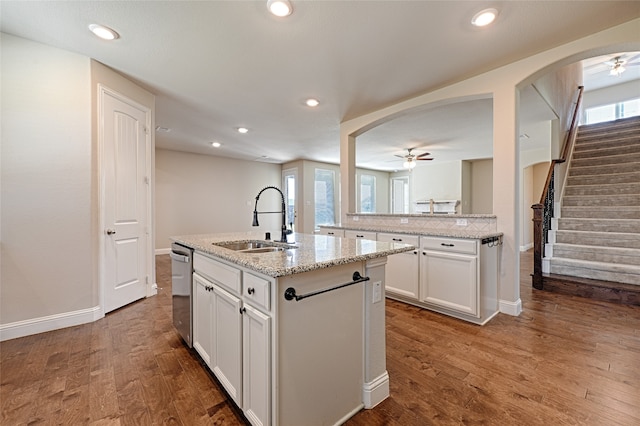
column 312, row 251
column 430, row 232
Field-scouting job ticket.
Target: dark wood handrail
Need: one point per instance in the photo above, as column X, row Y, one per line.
column 543, row 211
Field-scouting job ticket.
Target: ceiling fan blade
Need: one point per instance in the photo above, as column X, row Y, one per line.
column 424, row 159
column 423, row 155
column 400, row 156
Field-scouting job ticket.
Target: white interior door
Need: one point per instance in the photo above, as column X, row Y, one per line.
column 125, row 148
column 400, row 194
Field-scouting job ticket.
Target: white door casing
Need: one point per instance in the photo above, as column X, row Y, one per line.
column 124, row 143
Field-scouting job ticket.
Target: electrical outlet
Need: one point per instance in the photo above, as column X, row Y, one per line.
column 461, row 222
column 404, row 220
column 377, row 291
column 355, row 218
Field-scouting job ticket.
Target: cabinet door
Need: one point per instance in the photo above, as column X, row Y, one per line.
column 450, row 280
column 402, row 273
column 202, row 317
column 256, row 366
column 226, row 356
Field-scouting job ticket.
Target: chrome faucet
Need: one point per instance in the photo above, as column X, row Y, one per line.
column 283, row 235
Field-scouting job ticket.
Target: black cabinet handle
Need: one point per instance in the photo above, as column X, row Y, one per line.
column 359, row 236
column 251, row 290
column 447, row 245
column 397, row 239
column 243, row 310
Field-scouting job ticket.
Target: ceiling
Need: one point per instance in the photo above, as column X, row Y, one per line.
column 215, row 66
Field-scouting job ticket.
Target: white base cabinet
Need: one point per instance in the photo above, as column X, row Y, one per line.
column 450, row 281
column 232, row 336
column 403, row 269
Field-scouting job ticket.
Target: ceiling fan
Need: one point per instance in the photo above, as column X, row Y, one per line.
column 617, row 65
column 410, row 160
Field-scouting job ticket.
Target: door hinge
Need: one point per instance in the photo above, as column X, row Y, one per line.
column 146, row 180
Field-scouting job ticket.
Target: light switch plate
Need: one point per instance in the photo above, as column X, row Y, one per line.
column 461, row 222
column 404, row 220
column 355, row 218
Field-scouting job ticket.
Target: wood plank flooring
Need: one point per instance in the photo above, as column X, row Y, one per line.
column 564, row 360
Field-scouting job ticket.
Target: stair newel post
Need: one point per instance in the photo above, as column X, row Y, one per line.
column 538, row 241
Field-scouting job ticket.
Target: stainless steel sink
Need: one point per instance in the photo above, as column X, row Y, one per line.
column 254, row 246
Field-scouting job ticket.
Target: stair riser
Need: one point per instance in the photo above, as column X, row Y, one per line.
column 609, row 137
column 632, row 178
column 580, row 212
column 617, row 125
column 595, row 225
column 595, row 256
column 589, row 240
column 596, row 275
column 601, row 161
column 603, row 190
column 604, row 169
column 602, row 201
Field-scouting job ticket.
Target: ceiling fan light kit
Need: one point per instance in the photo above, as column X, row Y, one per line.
column 279, row 8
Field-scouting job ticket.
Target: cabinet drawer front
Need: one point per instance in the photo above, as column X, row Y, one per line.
column 414, row 240
column 449, row 245
column 365, row 235
column 257, row 291
column 220, row 273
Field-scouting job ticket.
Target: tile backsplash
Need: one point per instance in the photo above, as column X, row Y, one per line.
column 423, row 222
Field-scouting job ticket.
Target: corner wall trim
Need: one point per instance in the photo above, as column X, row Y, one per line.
column 51, row 322
column 511, row 308
column 376, row 391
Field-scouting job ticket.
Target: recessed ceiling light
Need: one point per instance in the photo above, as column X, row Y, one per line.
column 312, row 102
column 242, row 130
column 484, row 17
column 280, row 8
column 103, row 32
column 216, row 144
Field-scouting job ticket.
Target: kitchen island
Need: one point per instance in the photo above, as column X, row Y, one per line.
column 293, row 331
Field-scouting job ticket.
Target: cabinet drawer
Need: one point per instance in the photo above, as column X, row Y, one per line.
column 448, row 245
column 257, row 291
column 365, row 235
column 220, row 273
column 399, row 238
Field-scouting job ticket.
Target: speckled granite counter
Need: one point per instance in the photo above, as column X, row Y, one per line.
column 311, row 252
column 444, row 232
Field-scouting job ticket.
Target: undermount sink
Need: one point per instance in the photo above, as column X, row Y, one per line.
column 254, row 246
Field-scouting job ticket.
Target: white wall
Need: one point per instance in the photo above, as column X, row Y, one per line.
column 482, row 186
column 611, row 95
column 46, row 259
column 438, row 181
column 198, row 194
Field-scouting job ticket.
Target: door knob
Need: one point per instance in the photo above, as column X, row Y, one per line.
column 111, row 231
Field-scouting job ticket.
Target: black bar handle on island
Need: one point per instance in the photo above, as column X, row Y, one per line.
column 290, row 293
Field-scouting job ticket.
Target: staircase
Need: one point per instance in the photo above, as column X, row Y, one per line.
column 597, row 235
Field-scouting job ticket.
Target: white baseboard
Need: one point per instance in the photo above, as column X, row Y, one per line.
column 376, row 391
column 163, row 251
column 52, row 322
column 526, row 247
column 510, row 308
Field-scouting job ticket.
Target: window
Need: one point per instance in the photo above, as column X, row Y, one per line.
column 289, row 178
column 612, row 112
column 324, row 197
column 367, row 194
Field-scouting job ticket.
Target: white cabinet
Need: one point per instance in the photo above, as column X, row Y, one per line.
column 449, row 274
column 449, row 280
column 232, row 333
column 226, row 362
column 202, row 317
column 256, row 366
column 402, row 272
column 331, row 231
column 365, row 235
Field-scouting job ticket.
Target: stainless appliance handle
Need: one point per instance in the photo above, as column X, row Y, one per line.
column 179, row 258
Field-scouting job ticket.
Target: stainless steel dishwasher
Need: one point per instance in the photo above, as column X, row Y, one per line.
column 181, row 288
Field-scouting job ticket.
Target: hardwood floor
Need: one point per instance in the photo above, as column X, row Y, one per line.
column 564, row 360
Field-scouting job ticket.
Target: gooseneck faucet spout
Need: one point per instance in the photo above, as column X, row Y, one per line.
column 283, row 235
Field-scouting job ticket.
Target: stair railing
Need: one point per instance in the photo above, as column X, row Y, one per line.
column 543, row 211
